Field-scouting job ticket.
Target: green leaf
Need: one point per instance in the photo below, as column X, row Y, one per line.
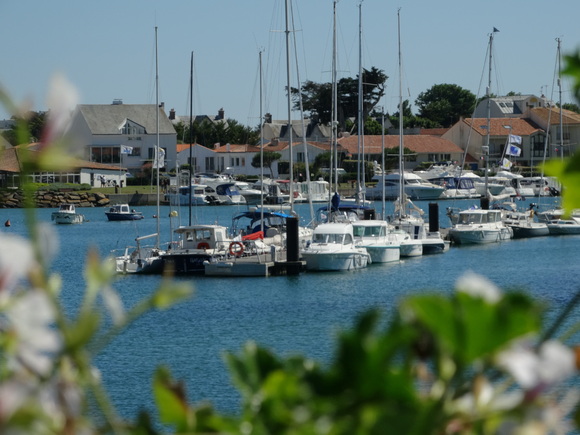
column 568, row 173
column 170, row 400
column 171, row 293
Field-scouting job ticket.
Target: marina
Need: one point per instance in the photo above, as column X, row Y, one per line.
column 287, row 314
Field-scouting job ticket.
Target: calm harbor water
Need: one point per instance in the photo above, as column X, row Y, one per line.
column 299, row 314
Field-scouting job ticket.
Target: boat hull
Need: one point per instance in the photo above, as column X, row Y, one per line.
column 564, row 227
column 526, row 231
column 335, row 261
column 190, row 263
column 124, row 217
column 67, row 218
column 383, row 254
column 469, row 236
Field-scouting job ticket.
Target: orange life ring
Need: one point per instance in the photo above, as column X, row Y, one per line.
column 236, row 252
column 203, row 245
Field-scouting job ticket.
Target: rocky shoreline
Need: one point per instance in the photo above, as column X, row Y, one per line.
column 48, row 199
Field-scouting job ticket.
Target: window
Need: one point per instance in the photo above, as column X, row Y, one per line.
column 105, row 154
column 209, row 164
column 136, row 151
column 300, row 157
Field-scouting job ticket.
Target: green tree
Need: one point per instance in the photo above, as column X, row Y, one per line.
column 571, row 106
column 27, row 129
column 269, row 158
column 444, row 104
column 317, row 97
column 207, row 133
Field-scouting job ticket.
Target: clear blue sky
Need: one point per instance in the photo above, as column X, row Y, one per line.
column 106, row 48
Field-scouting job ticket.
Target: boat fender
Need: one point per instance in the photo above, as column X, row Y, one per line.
column 203, row 245
column 236, row 249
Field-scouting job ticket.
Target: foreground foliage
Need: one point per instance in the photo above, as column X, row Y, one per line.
column 476, row 360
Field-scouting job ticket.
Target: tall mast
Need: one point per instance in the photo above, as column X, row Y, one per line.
column 261, row 150
column 561, row 123
column 488, row 94
column 401, row 144
column 157, row 145
column 191, row 167
column 334, row 120
column 360, row 166
column 290, row 160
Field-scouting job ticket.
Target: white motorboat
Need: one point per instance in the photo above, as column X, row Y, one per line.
column 555, row 214
column 67, row 214
column 141, row 259
column 221, row 189
column 508, row 188
column 251, row 195
column 318, row 191
column 522, row 186
column 456, row 187
column 333, row 248
column 182, row 195
column 523, row 225
column 198, row 244
column 374, row 235
column 479, row 226
column 414, row 186
column 564, row 226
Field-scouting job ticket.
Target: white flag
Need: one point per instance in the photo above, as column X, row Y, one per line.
column 506, row 164
column 126, row 149
column 159, row 161
column 513, row 150
column 514, row 138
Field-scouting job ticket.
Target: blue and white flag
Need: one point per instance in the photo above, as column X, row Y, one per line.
column 514, row 138
column 126, row 149
column 513, row 150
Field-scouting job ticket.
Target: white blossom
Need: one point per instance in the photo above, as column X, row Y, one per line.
column 550, row 364
column 31, row 317
column 16, row 259
column 478, row 286
column 61, row 100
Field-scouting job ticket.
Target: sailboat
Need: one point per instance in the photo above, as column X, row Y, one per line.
column 146, row 259
column 333, row 246
column 477, row 226
column 407, row 220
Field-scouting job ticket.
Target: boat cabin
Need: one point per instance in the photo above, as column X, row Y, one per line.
column 470, row 217
column 337, row 233
column 202, row 236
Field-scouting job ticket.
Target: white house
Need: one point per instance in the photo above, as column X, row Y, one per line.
column 103, row 129
column 513, row 106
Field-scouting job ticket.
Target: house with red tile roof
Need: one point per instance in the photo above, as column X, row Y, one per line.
column 549, row 119
column 471, row 134
column 425, row 148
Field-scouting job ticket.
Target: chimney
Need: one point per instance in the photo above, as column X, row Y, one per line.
column 172, row 114
column 221, row 113
column 216, row 145
column 117, row 101
column 268, row 118
column 162, row 105
column 228, row 147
